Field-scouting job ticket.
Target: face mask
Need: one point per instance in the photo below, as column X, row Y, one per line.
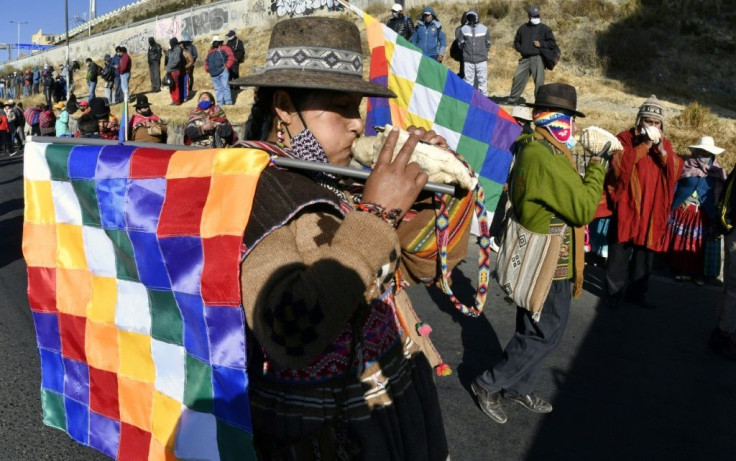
column 394, row 14
column 535, row 21
column 427, row 19
column 558, row 124
column 306, row 147
column 204, row 104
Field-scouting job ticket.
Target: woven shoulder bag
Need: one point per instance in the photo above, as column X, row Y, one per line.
column 526, row 264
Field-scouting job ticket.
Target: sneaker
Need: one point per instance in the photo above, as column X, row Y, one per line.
column 489, row 402
column 531, row 402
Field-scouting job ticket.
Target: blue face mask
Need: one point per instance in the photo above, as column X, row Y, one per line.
column 204, row 105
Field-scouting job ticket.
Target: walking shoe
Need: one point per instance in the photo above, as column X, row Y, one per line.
column 489, row 402
column 531, row 401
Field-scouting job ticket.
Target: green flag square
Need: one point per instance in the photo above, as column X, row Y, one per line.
column 57, row 157
column 451, row 113
column 166, row 321
column 198, row 393
column 473, row 151
column 492, row 191
column 87, row 195
column 431, row 74
column 234, row 444
column 124, row 258
column 54, row 412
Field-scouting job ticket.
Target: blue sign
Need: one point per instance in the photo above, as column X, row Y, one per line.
column 32, row 46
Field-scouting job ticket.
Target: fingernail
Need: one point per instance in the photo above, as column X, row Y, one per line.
column 418, row 132
column 395, row 128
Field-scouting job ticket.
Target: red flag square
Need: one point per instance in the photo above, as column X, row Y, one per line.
column 146, row 163
column 103, row 389
column 134, row 443
column 42, row 289
column 220, row 275
column 72, row 329
column 183, row 205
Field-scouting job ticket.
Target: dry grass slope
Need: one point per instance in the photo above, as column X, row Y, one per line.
column 612, row 81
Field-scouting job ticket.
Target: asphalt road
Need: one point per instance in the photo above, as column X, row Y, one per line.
column 629, row 384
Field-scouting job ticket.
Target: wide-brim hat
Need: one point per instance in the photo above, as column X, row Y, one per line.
column 141, row 100
column 557, row 96
column 707, row 144
column 60, row 105
column 315, row 53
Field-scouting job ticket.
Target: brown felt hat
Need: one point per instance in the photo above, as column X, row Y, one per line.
column 557, row 96
column 316, row 53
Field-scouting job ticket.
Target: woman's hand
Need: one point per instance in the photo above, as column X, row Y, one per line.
column 396, row 184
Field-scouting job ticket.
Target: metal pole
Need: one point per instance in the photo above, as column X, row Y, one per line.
column 68, row 70
column 17, row 42
column 278, row 161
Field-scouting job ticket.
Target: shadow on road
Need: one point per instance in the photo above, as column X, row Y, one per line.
column 11, row 234
column 644, row 385
column 480, row 345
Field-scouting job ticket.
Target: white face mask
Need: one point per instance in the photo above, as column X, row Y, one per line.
column 535, row 21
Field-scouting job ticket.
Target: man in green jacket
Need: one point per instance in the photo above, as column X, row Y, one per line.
column 546, row 191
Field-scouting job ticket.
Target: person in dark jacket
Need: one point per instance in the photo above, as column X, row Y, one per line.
column 186, row 42
column 48, row 86
column 474, row 39
column 220, row 59
column 174, row 66
column 93, row 71
column 238, row 48
column 530, row 37
column 429, row 36
column 400, row 23
column 117, row 89
column 154, row 64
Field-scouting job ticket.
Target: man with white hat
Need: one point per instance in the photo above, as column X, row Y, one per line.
column 220, row 59
column 640, row 186
column 400, row 23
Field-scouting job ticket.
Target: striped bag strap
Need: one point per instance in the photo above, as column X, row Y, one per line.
column 484, row 252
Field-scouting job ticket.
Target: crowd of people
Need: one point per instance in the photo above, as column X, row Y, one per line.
column 322, row 307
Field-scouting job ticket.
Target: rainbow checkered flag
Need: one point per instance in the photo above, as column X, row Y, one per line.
column 133, row 262
column 431, row 96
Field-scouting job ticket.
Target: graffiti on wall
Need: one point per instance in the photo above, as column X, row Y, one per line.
column 136, row 43
column 301, row 7
column 204, row 23
column 254, row 15
column 167, row 28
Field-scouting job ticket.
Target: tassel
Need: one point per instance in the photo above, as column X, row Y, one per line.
column 423, row 329
column 443, row 369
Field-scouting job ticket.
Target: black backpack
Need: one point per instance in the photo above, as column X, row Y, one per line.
column 107, row 74
column 550, row 57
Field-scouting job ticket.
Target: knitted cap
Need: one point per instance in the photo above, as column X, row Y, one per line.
column 651, row 108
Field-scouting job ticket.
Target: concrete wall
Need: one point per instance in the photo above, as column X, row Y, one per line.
column 200, row 22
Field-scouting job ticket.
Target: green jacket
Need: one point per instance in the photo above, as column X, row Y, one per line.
column 546, row 190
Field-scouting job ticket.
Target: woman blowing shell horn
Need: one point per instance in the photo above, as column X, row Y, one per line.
column 339, row 378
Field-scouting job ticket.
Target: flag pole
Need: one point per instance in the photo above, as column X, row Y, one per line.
column 283, row 162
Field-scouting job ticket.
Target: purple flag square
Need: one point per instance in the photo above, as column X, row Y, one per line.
column 225, row 330
column 183, row 257
column 77, row 420
column 52, row 371
column 195, row 328
column 230, row 387
column 47, row 330
column 76, row 380
column 114, row 162
column 104, row 434
column 145, row 197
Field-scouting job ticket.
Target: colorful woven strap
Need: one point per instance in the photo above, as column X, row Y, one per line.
column 484, row 252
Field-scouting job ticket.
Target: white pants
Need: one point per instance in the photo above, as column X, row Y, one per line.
column 476, row 74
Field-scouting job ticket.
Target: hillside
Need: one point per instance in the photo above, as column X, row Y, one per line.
column 616, row 53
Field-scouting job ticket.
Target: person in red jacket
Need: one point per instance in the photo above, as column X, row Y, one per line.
column 640, row 187
column 126, row 64
column 220, row 59
column 4, row 133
